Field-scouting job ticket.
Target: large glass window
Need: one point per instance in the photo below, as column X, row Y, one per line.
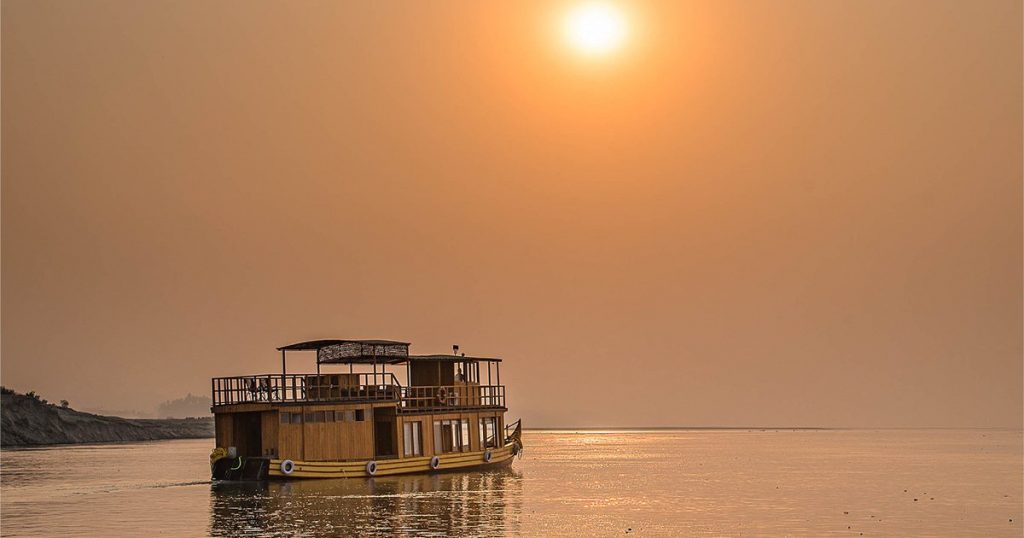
column 464, row 446
column 488, row 432
column 413, row 433
column 451, row 436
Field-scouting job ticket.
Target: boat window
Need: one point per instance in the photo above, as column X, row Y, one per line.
column 451, row 436
column 488, row 430
column 318, row 416
column 360, row 415
column 413, row 432
column 465, row 435
column 296, row 418
column 328, row 416
column 285, row 418
column 438, row 445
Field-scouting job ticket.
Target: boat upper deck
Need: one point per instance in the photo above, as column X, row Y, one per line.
column 432, row 382
column 357, row 387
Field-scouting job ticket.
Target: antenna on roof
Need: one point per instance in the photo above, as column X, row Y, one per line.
column 455, row 349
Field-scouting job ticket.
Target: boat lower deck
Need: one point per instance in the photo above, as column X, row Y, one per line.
column 361, row 469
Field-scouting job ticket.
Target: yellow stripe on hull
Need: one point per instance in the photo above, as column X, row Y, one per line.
column 357, row 469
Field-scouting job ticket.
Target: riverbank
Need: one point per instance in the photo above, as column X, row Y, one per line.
column 27, row 421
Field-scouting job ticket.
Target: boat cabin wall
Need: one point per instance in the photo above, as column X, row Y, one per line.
column 342, row 432
column 432, row 374
column 300, row 432
column 326, row 432
column 424, row 427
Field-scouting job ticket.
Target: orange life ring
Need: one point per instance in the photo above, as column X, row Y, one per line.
column 442, row 395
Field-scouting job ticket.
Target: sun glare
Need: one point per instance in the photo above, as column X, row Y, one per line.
column 595, row 28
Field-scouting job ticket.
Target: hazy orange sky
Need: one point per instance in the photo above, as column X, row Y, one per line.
column 795, row 213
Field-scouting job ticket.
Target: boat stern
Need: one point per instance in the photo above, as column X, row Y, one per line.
column 223, row 467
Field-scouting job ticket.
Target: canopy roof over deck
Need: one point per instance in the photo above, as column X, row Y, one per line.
column 337, row 351
column 384, row 352
column 313, row 345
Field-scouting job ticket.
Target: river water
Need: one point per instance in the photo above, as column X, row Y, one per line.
column 588, row 483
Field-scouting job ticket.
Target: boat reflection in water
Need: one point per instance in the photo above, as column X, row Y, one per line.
column 456, row 503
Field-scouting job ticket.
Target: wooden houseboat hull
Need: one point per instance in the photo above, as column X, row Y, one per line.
column 260, row 468
column 358, row 469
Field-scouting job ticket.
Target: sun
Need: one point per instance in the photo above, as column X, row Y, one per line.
column 595, row 28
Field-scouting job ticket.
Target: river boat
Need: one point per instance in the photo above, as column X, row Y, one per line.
column 353, row 417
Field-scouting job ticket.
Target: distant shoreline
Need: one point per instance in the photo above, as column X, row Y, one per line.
column 672, row 428
column 760, row 428
column 107, row 443
column 28, row 421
